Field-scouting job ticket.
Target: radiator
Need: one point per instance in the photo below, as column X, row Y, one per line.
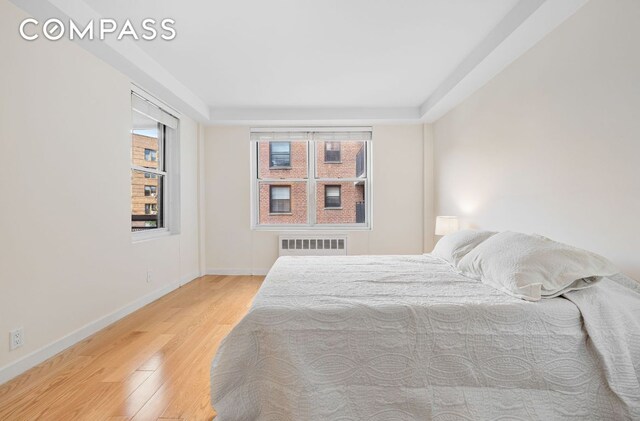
column 312, row 245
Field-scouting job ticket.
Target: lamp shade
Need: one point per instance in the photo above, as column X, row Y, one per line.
column 446, row 225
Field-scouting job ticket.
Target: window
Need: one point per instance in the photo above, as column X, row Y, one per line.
column 150, row 209
column 325, row 183
column 280, row 199
column 332, row 152
column 280, row 154
column 153, row 165
column 332, row 197
column 150, row 155
column 150, row 191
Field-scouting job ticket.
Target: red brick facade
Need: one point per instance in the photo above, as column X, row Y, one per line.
column 346, row 168
column 138, row 180
column 298, row 214
column 298, row 168
column 352, row 193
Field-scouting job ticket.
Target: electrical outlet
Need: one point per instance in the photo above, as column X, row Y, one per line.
column 16, row 338
column 149, row 276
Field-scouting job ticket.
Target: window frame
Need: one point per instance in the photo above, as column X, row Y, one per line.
column 167, row 171
column 311, row 181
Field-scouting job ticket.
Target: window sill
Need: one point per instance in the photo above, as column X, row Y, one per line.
column 148, row 235
column 279, row 168
column 280, row 213
column 312, row 228
column 332, row 208
column 333, row 162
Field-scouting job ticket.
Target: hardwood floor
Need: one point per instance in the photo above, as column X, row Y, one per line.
column 152, row 365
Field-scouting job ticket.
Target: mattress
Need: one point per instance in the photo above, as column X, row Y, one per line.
column 408, row 338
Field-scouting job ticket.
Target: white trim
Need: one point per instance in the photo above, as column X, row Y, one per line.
column 148, row 170
column 238, row 271
column 304, row 115
column 149, row 97
column 38, row 356
column 150, row 234
column 311, row 129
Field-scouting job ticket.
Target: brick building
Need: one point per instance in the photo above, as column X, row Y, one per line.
column 337, row 202
column 145, row 188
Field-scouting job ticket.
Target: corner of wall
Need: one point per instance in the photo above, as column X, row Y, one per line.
column 429, row 188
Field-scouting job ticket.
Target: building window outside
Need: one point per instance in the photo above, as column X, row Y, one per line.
column 153, row 138
column 280, row 154
column 150, row 191
column 313, row 179
column 150, row 155
column 332, row 152
column 332, row 197
column 150, row 208
column 280, row 199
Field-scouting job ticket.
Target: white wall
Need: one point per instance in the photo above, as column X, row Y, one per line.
column 552, row 144
column 398, row 193
column 66, row 253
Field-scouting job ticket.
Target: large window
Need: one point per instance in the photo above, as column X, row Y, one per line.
column 311, row 178
column 153, row 142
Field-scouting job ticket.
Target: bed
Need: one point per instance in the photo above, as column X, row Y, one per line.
column 408, row 338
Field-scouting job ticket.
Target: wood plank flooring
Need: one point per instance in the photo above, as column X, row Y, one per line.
column 151, row 365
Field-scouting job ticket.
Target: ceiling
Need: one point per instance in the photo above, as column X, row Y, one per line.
column 295, row 59
column 330, row 53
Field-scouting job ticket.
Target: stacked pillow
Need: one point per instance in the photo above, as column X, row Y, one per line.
column 453, row 247
column 530, row 267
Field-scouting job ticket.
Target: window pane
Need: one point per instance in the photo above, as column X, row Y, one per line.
column 347, row 160
column 281, row 192
column 282, row 202
column 340, row 203
column 146, row 201
column 146, row 142
column 282, row 159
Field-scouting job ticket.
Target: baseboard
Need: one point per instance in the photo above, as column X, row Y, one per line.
column 237, row 271
column 36, row 357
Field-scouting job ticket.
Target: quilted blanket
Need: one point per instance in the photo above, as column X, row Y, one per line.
column 407, row 338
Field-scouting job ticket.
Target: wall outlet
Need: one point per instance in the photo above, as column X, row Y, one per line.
column 149, row 276
column 16, row 338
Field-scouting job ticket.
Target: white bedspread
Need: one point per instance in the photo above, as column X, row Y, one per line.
column 406, row 338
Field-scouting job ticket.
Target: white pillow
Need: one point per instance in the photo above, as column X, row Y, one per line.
column 533, row 267
column 453, row 247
